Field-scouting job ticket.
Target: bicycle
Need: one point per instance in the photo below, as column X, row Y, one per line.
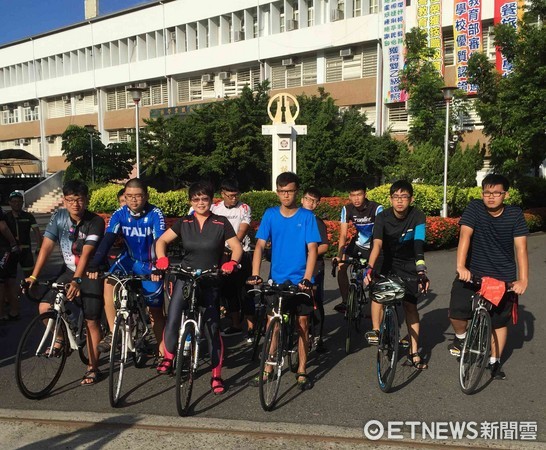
column 189, row 335
column 388, row 291
column 356, row 297
column 279, row 345
column 130, row 329
column 39, row 363
column 477, row 344
column 261, row 322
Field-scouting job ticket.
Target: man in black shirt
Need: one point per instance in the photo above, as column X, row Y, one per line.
column 489, row 232
column 310, row 200
column 400, row 232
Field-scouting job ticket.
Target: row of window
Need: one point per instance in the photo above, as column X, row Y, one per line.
column 272, row 18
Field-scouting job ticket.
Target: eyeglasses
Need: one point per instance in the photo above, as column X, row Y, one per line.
column 311, row 200
column 134, row 196
column 73, row 233
column 200, row 200
column 493, row 194
column 286, row 191
column 401, row 197
column 72, row 201
column 231, row 196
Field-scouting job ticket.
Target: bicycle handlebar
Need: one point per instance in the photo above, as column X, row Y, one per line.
column 121, row 276
column 283, row 288
column 193, row 273
column 25, row 288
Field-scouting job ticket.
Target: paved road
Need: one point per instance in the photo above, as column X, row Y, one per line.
column 345, row 393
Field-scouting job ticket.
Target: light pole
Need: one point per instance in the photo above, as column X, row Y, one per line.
column 91, row 128
column 136, row 93
column 448, row 95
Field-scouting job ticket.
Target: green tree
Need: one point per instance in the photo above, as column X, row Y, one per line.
column 512, row 108
column 112, row 162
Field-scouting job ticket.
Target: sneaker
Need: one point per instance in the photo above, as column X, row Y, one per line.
column 105, row 344
column 231, row 331
column 250, row 335
column 496, row 372
column 456, row 346
column 341, row 308
column 372, row 337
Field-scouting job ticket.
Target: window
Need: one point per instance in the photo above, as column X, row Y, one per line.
column 31, row 113
column 449, row 55
column 398, row 117
column 357, row 8
column 374, row 6
column 10, row 116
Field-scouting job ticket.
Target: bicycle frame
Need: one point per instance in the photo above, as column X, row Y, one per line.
column 59, row 307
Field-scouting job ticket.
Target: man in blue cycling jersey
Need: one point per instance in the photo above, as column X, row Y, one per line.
column 361, row 212
column 140, row 224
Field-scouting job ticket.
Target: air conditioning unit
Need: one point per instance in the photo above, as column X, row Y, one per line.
column 291, row 25
column 288, row 62
column 17, row 142
column 224, row 76
column 25, row 141
column 65, row 98
column 142, row 85
column 81, row 97
column 173, row 35
column 336, row 14
column 238, row 36
column 26, row 104
column 207, row 78
column 346, row 52
column 5, row 108
column 50, row 139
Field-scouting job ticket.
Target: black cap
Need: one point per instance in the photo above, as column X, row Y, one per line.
column 15, row 194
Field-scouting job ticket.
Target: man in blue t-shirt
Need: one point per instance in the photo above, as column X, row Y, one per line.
column 294, row 237
column 490, row 230
column 140, row 224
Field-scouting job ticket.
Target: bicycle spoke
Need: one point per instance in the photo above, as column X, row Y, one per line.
column 271, row 364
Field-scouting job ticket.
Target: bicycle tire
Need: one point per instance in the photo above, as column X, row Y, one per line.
column 185, row 371
column 350, row 316
column 36, row 370
column 269, row 387
column 387, row 350
column 83, row 351
column 261, row 323
column 292, row 342
column 141, row 348
column 475, row 352
column 359, row 309
column 118, row 361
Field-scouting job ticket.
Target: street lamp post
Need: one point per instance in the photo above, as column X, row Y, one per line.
column 136, row 93
column 91, row 128
column 448, row 95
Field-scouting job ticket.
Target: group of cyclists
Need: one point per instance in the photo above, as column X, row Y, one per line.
column 391, row 240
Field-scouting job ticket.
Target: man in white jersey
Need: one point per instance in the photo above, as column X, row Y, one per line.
column 234, row 290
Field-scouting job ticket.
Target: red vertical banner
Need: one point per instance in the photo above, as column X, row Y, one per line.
column 467, row 33
column 506, row 12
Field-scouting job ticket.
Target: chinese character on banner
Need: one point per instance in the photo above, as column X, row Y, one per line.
column 393, row 50
column 506, row 12
column 429, row 17
column 528, row 431
column 468, row 38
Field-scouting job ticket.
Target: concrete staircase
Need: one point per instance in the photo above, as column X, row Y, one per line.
column 47, row 203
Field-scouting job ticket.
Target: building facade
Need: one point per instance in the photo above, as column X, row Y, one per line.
column 188, row 51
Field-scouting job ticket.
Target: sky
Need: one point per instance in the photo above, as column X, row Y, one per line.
column 24, row 18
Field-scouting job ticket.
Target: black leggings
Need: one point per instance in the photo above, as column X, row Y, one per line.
column 209, row 306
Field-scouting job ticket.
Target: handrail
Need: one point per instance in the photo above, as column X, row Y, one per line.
column 44, row 187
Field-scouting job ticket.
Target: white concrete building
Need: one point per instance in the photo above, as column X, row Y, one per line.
column 193, row 51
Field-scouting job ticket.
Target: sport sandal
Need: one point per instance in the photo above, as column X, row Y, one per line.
column 217, row 386
column 165, row 367
column 304, row 384
column 419, row 364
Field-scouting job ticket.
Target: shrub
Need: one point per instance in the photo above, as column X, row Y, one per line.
column 259, row 201
column 533, row 191
column 105, row 200
column 329, row 208
column 534, row 221
column 441, row 232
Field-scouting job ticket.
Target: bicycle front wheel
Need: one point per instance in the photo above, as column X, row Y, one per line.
column 141, row 347
column 259, row 330
column 475, row 352
column 185, row 358
column 271, row 364
column 118, row 360
column 350, row 315
column 41, row 355
column 387, row 350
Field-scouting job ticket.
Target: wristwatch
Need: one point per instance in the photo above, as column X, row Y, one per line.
column 77, row 280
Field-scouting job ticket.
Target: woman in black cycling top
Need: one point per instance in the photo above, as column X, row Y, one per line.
column 203, row 235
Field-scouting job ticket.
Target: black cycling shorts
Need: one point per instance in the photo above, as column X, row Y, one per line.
column 91, row 295
column 300, row 304
column 460, row 305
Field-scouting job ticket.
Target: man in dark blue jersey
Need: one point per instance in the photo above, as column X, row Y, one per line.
column 490, row 230
column 140, row 224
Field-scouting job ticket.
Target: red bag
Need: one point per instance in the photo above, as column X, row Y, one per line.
column 492, row 290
